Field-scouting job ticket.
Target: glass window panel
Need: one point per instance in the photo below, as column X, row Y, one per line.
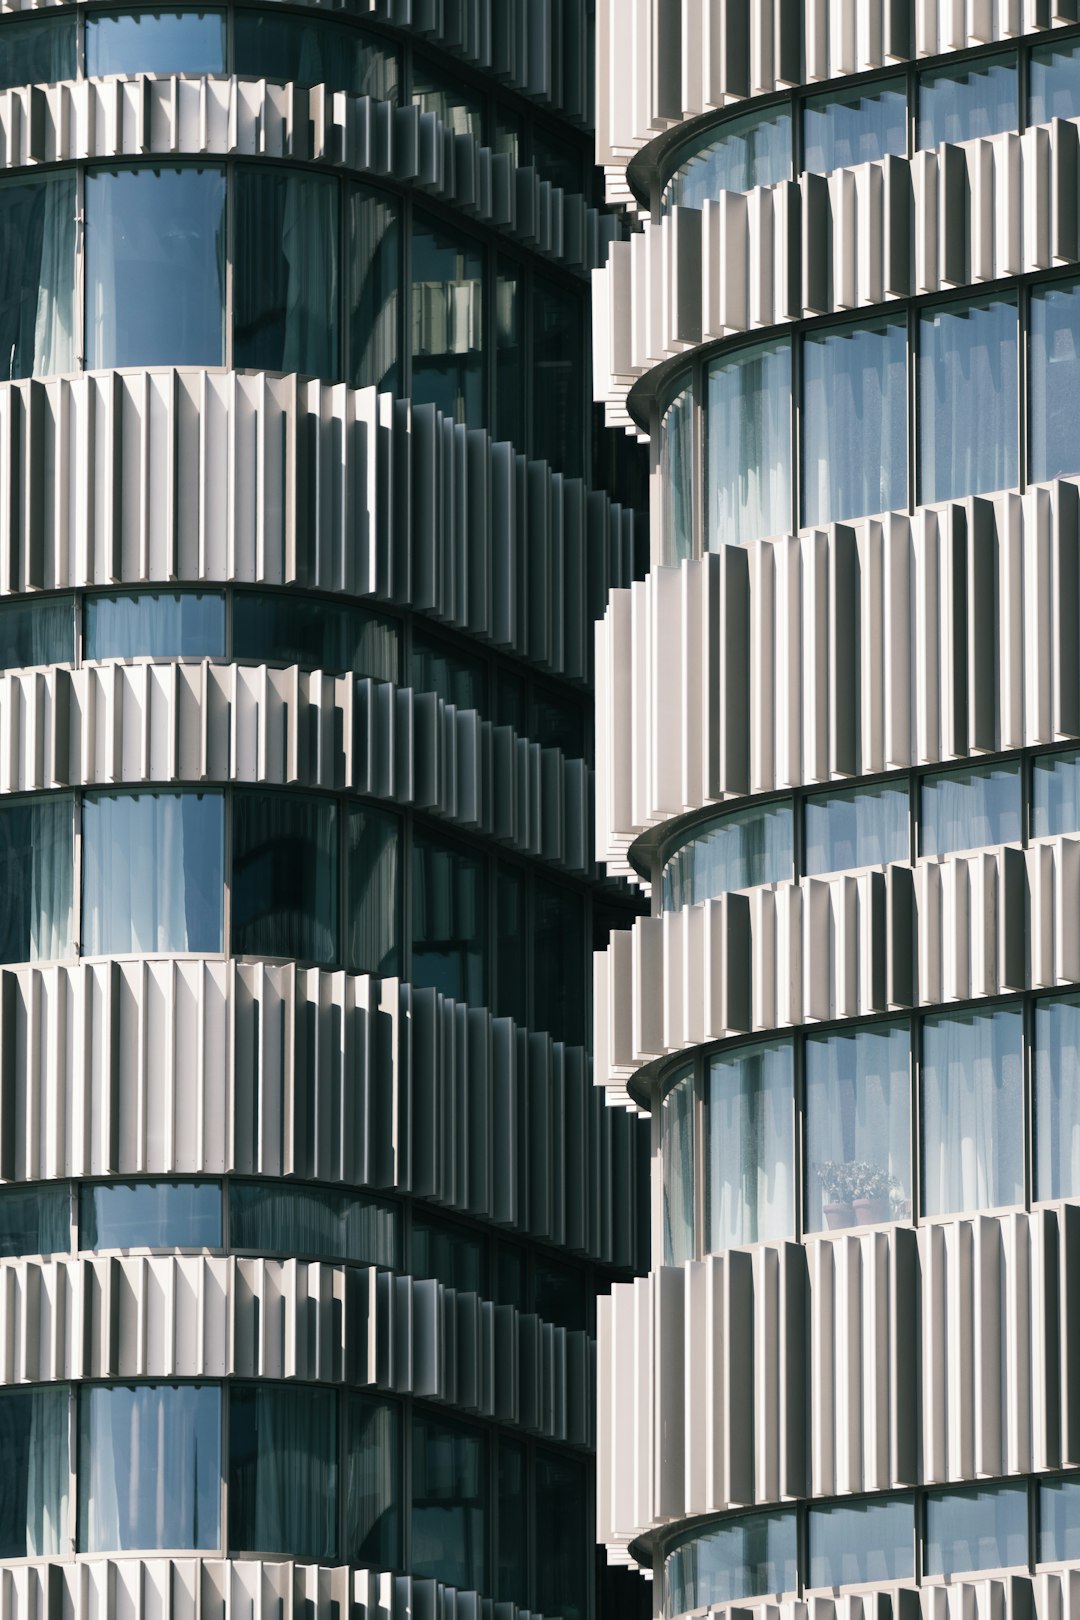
column 1054, row 83
column 750, row 151
column 34, row 1446
column 284, row 876
column 447, row 323
column 311, row 50
column 558, row 721
column 559, row 963
column 968, row 422
column 451, row 674
column 973, row 1112
column 152, row 866
column 372, row 1483
column 150, row 1215
column 151, row 624
column 155, row 267
column 737, row 851
column 35, row 1220
column 1059, row 1521
column 677, row 477
column 37, row 276
column 452, row 1255
column 512, row 1553
column 854, row 422
column 976, row 1529
column 149, row 1466
column 172, row 42
column 859, row 126
column 750, row 1556
column 857, row 827
column 1055, row 380
column 560, row 1295
column 1057, row 1098
column 322, row 1224
column 862, row 1542
column 749, row 445
column 508, row 134
column 858, row 1127
column 511, row 944
column 285, row 277
column 39, row 631
column 1055, row 806
column 373, row 876
column 279, row 627
column 459, row 109
column 964, row 103
column 557, row 159
column 678, row 1127
column 37, row 862
column 510, row 370
column 560, row 1518
column 750, row 1146
column 37, row 50
column 283, row 1470
column 448, row 920
column 449, row 1504
column 373, row 270
column 558, row 336
column 969, row 809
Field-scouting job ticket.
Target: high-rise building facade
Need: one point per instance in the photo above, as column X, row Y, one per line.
column 837, row 731
column 307, row 1191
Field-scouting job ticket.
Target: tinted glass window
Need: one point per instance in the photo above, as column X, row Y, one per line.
column 446, row 320
column 558, row 722
column 1059, row 1521
column 750, row 1147
column 35, row 1220
column 303, row 50
column 1055, row 804
column 149, row 1466
column 1055, row 380
column 283, row 1470
column 34, row 1446
column 283, row 628
column 749, row 1557
column 559, row 1295
column 448, row 920
column 285, row 277
column 1054, row 84
column 859, row 127
column 373, row 270
column 556, row 373
column 36, row 632
column 150, row 1215
column 451, row 1254
column 558, row 962
column 862, row 1542
column 37, row 50
column 749, row 151
column 449, row 672
column 677, row 476
column 284, row 876
column 858, row 827
column 270, row 1219
column 150, row 624
column 372, row 1483
column 37, row 275
column 1057, row 1097
column 459, row 109
column 854, row 422
column 972, row 1112
column 562, row 1579
column 679, row 1138
column 449, row 1504
column 373, row 875
column 981, row 1529
column 969, row 809
column 858, row 1127
column 737, row 851
column 968, row 407
column 152, row 866
column 556, row 159
column 37, row 858
column 511, row 982
column 961, row 104
column 749, row 445
column 510, row 370
column 155, row 42
column 512, row 1552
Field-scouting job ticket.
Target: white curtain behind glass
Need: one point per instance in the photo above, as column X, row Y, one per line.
column 54, row 347
column 749, row 445
column 750, row 1147
column 143, row 1459
column 677, row 476
column 297, row 1472
column 968, row 404
column 854, row 423
column 858, row 1110
column 1057, row 1099
column 138, row 871
column 677, row 1126
column 48, row 1473
column 309, row 242
column 51, row 879
column 973, row 1116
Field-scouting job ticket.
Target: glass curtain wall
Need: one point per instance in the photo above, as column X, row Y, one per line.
column 678, row 1136
column 34, row 1446
column 972, row 1111
column 37, row 859
column 153, row 872
column 149, row 1466
column 748, row 152
column 171, row 42
column 447, row 322
column 285, row 278
column 854, row 422
column 677, row 476
column 858, row 1127
column 749, row 445
column 750, row 1146
column 283, row 1470
column 37, row 252
column 968, row 405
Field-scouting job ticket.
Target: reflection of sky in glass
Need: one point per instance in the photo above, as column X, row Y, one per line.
column 155, row 42
column 747, row 152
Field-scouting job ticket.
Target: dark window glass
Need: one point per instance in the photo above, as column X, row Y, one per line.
column 511, row 706
column 509, row 1276
column 152, row 869
column 373, row 876
column 450, row 1254
column 1059, row 1521
column 857, row 126
column 149, row 1466
column 972, row 1112
column 560, row 1530
column 748, row 1557
column 737, row 851
column 1054, row 84
column 447, row 321
column 283, row 1470
column 37, row 275
column 36, row 632
column 556, row 372
column 862, row 1542
column 37, row 50
column 858, row 1127
column 560, row 1295
column 127, row 42
column 963, row 103
column 1055, row 806
column 448, row 672
column 35, row 1220
column 34, row 1446
column 372, row 1483
column 854, row 422
column 968, row 407
column 857, row 827
column 459, row 109
column 507, row 136
column 511, row 944
column 285, row 278
column 449, row 1504
column 151, row 624
column 748, row 151
column 448, row 920
column 284, row 876
column 557, row 159
column 373, row 261
column 750, row 1147
column 311, row 50
column 155, row 267
column 1055, row 380
column 558, row 962
column 322, row 1224
column 278, row 627
column 513, row 1577
column 976, row 1529
column 969, row 809
column 558, row 722
column 1057, row 1098
column 510, row 375
column 150, row 1215
column 37, row 859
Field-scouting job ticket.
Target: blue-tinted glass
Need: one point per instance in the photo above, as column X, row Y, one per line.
column 37, row 1468
column 125, row 42
column 37, row 263
column 972, row 1111
column 372, row 288
column 748, row 448
column 972, row 1530
column 1055, row 806
column 37, row 50
column 284, row 876
column 1059, row 1521
column 854, row 422
column 750, row 1146
column 448, row 920
column 749, row 151
column 155, row 267
column 862, row 1542
column 449, row 1503
column 150, row 1215
column 859, row 127
column 35, row 1220
column 285, row 277
column 737, row 851
column 750, row 1557
column 1057, row 1097
column 279, row 627
column 37, row 854
column 447, row 323
column 36, row 632
column 149, row 1466
column 372, row 1483
column 152, row 872
column 969, row 809
column 857, row 827
column 268, row 1218
column 451, row 1254
column 858, row 1127
column 1055, row 381
column 311, row 50
column 1054, row 84
column 968, row 406
column 961, row 104
column 283, row 1449
column 150, row 624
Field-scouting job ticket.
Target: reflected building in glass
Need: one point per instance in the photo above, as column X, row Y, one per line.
column 306, row 1192
column 838, row 738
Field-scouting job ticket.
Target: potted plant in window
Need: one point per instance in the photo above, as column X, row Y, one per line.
column 869, row 1192
column 835, row 1178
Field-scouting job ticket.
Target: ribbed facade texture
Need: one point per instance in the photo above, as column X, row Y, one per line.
column 305, row 521
column 837, row 730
